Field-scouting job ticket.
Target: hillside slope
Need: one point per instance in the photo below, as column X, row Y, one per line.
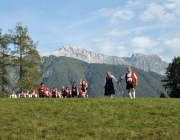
column 90, row 119
column 62, row 71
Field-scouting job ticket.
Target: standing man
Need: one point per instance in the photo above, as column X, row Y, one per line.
column 131, row 81
column 42, row 91
column 74, row 90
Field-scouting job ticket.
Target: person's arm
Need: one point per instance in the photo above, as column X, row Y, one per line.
column 121, row 79
column 112, row 76
column 136, row 79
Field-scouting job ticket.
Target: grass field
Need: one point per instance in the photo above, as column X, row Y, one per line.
column 90, row 119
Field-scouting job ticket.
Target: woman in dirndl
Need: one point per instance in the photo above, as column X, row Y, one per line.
column 109, row 86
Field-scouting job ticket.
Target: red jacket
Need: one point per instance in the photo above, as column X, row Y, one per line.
column 42, row 89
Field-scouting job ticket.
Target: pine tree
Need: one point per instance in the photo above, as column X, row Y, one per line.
column 172, row 81
column 5, row 56
column 28, row 61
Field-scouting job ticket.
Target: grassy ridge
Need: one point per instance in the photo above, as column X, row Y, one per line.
column 98, row 118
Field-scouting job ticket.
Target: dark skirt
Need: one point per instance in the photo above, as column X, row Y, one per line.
column 109, row 88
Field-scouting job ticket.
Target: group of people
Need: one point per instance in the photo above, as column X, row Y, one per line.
column 131, row 81
column 43, row 92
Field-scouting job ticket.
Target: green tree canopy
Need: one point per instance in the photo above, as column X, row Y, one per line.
column 172, row 81
column 28, row 60
column 5, row 61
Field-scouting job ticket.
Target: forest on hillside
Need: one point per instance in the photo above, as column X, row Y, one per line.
column 62, row 71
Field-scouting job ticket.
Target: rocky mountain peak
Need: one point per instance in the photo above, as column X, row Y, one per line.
column 146, row 62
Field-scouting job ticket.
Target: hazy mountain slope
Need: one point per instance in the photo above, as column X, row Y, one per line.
column 62, row 71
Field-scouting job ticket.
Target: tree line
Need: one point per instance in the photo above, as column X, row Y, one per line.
column 18, row 53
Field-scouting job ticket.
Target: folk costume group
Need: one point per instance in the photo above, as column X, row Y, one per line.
column 43, row 92
column 131, row 82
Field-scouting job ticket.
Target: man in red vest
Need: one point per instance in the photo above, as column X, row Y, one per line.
column 131, row 81
column 74, row 90
column 42, row 91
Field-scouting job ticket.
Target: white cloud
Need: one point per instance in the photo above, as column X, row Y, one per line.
column 170, row 48
column 143, row 42
column 173, row 45
column 114, row 15
column 173, row 5
column 162, row 12
column 122, row 15
column 103, row 45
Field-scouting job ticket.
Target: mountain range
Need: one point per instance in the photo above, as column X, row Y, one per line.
column 63, row 71
column 146, row 62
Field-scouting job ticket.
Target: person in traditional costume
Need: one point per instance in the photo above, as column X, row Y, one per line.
column 80, row 93
column 22, row 95
column 13, row 95
column 48, row 94
column 84, row 87
column 27, row 95
column 109, row 86
column 131, row 82
column 54, row 92
column 57, row 93
column 33, row 94
column 68, row 91
column 42, row 91
column 63, row 92
column 74, row 90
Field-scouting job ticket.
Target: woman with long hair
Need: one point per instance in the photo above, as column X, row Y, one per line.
column 109, row 86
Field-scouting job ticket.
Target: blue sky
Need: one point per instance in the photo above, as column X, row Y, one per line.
column 111, row 27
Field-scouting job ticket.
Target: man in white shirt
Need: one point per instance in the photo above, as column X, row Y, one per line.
column 131, row 81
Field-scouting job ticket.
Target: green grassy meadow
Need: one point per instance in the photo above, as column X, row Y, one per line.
column 90, row 119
